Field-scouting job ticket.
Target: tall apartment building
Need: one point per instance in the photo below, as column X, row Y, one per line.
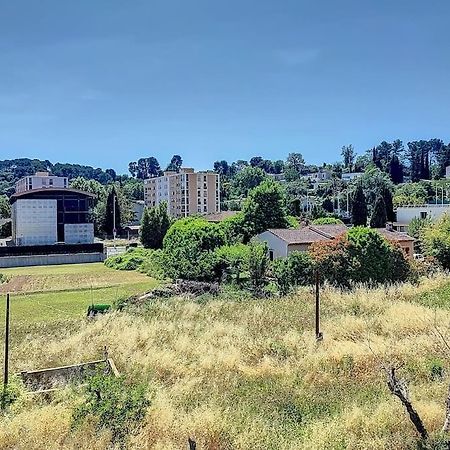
column 186, row 192
column 41, row 180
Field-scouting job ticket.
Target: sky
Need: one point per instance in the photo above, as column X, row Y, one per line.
column 105, row 82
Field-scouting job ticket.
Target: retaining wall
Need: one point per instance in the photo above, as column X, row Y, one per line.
column 46, row 260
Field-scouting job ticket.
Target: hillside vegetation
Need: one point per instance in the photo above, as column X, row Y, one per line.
column 244, row 373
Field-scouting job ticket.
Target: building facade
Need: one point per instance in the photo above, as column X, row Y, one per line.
column 41, row 180
column 186, row 192
column 51, row 214
column 430, row 211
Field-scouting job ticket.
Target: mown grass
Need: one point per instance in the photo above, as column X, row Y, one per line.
column 248, row 374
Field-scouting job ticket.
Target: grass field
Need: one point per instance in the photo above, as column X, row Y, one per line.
column 241, row 373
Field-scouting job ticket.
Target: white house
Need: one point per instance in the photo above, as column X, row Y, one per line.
column 350, row 176
column 430, row 211
column 281, row 242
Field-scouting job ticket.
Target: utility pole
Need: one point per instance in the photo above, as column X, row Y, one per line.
column 6, row 368
column 114, row 220
column 319, row 334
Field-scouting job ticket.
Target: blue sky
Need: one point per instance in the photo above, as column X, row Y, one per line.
column 103, row 82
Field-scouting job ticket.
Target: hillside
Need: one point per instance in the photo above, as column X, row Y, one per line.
column 243, row 373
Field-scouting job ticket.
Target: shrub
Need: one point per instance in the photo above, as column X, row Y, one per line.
column 436, row 241
column 189, row 249
column 114, row 404
column 362, row 256
column 327, row 221
column 295, row 270
column 153, row 264
column 258, row 265
column 233, row 260
column 131, row 260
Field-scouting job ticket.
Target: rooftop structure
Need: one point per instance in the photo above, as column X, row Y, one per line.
column 41, row 180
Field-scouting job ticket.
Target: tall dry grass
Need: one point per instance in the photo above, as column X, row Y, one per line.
column 249, row 374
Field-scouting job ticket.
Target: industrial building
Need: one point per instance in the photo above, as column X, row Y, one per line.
column 186, row 192
column 46, row 211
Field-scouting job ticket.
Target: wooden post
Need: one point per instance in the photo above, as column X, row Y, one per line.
column 319, row 334
column 6, row 368
column 192, row 444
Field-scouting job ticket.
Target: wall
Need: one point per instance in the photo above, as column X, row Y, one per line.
column 34, row 222
column 274, row 244
column 79, row 233
column 406, row 213
column 47, row 260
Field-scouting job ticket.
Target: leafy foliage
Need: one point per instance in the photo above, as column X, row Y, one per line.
column 189, row 249
column 233, row 260
column 359, row 207
column 436, row 240
column 155, row 223
column 295, row 270
column 115, row 405
column 258, row 266
column 263, row 209
column 327, row 221
column 361, row 256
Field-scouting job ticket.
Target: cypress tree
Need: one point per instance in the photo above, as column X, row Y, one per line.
column 379, row 218
column 154, row 226
column 108, row 224
column 359, row 207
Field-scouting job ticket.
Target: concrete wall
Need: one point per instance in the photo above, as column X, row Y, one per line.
column 407, row 213
column 79, row 233
column 47, row 260
column 34, row 222
column 275, row 245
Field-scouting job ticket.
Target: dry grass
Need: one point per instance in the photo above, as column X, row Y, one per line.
column 249, row 374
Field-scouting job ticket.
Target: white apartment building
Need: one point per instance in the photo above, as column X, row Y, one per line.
column 430, row 211
column 186, row 192
column 41, row 180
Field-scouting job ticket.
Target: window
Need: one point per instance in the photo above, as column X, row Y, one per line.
column 271, row 255
column 423, row 214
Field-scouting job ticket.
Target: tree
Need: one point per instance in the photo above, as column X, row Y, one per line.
column 109, row 222
column 327, row 221
column 256, row 161
column 359, row 207
column 222, row 168
column 234, row 260
column 294, row 166
column 348, row 156
column 278, row 166
column 175, row 163
column 247, row 179
column 388, row 201
column 378, row 218
column 155, row 224
column 295, row 270
column 396, row 170
column 189, row 249
column 436, row 240
column 145, row 168
column 258, row 265
column 264, row 208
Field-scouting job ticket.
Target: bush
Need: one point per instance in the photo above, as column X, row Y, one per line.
column 153, row 264
column 327, row 221
column 114, row 404
column 233, row 260
column 295, row 270
column 362, row 256
column 258, row 265
column 189, row 249
column 131, row 260
column 154, row 226
column 436, row 241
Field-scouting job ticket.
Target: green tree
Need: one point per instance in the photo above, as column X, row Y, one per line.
column 436, row 240
column 379, row 218
column 109, row 222
column 189, row 247
column 258, row 266
column 175, row 163
column 359, row 207
column 264, row 208
column 295, row 270
column 247, row 179
column 155, row 224
column 234, row 260
column 348, row 156
column 327, row 221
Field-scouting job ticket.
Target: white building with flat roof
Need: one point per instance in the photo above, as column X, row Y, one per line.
column 41, row 180
column 429, row 211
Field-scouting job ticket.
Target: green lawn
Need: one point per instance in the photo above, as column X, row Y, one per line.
column 53, row 293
